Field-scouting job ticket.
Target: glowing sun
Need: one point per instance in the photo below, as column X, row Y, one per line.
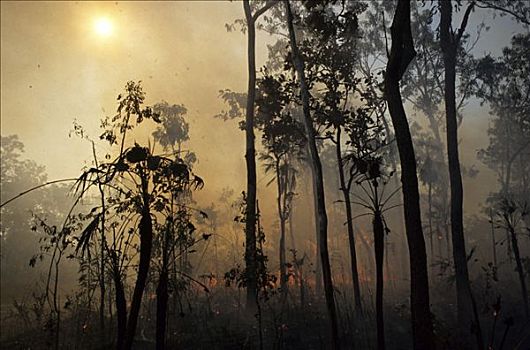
column 103, row 26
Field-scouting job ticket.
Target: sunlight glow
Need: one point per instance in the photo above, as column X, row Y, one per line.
column 103, row 26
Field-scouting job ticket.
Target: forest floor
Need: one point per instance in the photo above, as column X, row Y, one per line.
column 216, row 321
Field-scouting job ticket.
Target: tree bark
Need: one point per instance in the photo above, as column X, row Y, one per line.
column 161, row 309
column 281, row 215
column 401, row 54
column 318, row 262
column 449, row 44
column 349, row 223
column 121, row 306
column 379, row 247
column 318, row 182
column 146, row 243
column 519, row 266
column 250, row 157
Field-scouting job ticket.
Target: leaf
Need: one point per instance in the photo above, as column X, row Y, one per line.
column 153, row 162
column 179, row 170
column 33, row 261
column 470, row 255
column 137, row 154
column 84, row 239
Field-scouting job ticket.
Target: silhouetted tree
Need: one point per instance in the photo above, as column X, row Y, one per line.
column 450, row 42
column 401, row 54
column 283, row 140
column 316, row 171
column 250, row 155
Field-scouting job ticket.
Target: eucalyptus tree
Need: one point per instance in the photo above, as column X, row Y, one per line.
column 450, row 43
column 401, row 54
column 173, row 129
column 171, row 133
column 366, row 157
column 504, row 83
column 423, row 88
column 250, row 156
column 510, row 215
column 316, row 171
column 330, row 50
column 284, row 141
column 17, row 174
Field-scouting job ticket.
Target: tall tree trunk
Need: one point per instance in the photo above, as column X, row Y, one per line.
column 318, row 181
column 431, row 234
column 291, row 229
column 401, row 54
column 379, row 247
column 121, row 306
column 161, row 309
column 102, row 252
column 281, row 216
column 162, row 294
column 318, row 262
column 250, row 157
column 493, row 240
column 146, row 243
column 449, row 44
column 519, row 265
column 393, row 151
column 349, row 223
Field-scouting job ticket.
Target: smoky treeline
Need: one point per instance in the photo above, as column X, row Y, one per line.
column 352, row 229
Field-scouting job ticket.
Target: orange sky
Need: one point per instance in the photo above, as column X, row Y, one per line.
column 56, row 68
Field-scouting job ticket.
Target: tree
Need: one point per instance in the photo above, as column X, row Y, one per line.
column 250, row 155
column 18, row 242
column 155, row 181
column 174, row 129
column 330, row 51
column 450, row 42
column 504, row 84
column 401, row 54
column 423, row 87
column 283, row 140
column 318, row 183
column 510, row 215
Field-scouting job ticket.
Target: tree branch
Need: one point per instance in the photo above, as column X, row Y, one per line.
column 463, row 25
column 262, row 10
column 36, row 188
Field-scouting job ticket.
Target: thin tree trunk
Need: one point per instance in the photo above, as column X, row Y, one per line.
column 291, row 229
column 431, row 236
column 316, row 167
column 318, row 262
column 162, row 295
column 349, row 223
column 493, row 241
column 146, row 243
column 379, row 247
column 402, row 53
column 161, row 309
column 121, row 307
column 449, row 44
column 250, row 157
column 281, row 216
column 519, row 266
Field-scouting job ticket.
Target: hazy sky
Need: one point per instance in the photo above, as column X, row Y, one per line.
column 55, row 68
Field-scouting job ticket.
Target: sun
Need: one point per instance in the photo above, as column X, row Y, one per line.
column 103, row 26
